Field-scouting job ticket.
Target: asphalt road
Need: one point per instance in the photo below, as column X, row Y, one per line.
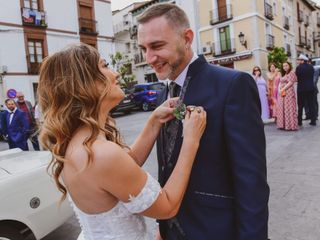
column 293, row 175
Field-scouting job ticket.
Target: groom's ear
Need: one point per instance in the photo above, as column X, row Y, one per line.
column 188, row 36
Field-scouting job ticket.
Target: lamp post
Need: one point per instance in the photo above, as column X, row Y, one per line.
column 242, row 40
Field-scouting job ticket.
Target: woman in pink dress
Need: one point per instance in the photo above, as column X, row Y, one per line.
column 274, row 76
column 287, row 116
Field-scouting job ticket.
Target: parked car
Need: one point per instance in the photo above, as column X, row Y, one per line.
column 29, row 199
column 145, row 94
column 316, row 62
column 126, row 105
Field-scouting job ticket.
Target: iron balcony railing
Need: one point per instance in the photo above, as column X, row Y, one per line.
column 268, row 11
column 269, row 41
column 88, row 26
column 223, row 47
column 221, row 14
column 32, row 17
column 286, row 22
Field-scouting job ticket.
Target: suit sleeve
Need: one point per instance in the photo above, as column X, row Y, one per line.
column 25, row 124
column 247, row 148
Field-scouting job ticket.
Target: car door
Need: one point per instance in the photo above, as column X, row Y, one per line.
column 138, row 94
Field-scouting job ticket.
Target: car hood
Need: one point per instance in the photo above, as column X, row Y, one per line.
column 15, row 161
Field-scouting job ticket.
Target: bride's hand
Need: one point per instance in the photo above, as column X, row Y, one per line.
column 164, row 112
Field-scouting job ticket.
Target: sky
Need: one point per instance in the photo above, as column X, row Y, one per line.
column 119, row 4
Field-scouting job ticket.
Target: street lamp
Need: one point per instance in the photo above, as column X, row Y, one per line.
column 242, row 41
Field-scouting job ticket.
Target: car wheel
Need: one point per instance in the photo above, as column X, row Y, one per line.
column 145, row 106
column 8, row 232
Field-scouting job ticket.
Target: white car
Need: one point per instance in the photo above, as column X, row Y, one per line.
column 29, row 199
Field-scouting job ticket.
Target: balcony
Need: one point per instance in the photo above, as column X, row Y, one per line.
column 33, row 68
column 225, row 47
column 269, row 41
column 139, row 58
column 221, row 14
column 268, row 11
column 288, row 49
column 300, row 16
column 88, row 26
column 286, row 23
column 302, row 41
column 34, row 18
column 121, row 27
column 308, row 44
column 306, row 21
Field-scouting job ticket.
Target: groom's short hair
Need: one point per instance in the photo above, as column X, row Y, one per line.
column 175, row 16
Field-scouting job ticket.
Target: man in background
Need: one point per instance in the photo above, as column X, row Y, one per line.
column 26, row 107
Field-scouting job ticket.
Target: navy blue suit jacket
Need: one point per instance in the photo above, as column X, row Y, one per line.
column 17, row 130
column 305, row 75
column 227, row 196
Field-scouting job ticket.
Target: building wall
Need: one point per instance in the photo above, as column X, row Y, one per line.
column 57, row 18
column 62, row 30
column 9, row 13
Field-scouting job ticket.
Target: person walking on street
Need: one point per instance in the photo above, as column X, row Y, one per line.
column 315, row 97
column 26, row 107
column 306, row 89
column 16, row 126
column 227, row 195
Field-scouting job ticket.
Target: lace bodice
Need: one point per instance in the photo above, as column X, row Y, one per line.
column 121, row 222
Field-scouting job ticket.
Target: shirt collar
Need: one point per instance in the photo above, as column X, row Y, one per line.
column 182, row 76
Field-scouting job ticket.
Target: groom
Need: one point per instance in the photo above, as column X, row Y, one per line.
column 227, row 196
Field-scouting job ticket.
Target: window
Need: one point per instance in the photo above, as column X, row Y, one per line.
column 32, row 4
column 225, row 41
column 35, row 48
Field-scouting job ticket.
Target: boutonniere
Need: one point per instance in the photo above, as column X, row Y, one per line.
column 180, row 111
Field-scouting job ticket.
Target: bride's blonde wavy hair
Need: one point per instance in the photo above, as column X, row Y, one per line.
column 69, row 98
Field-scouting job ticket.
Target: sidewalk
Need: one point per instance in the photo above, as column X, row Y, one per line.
column 293, row 160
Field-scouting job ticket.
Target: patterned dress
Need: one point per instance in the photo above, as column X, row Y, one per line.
column 287, row 116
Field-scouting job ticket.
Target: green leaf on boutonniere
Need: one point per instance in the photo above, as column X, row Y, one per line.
column 180, row 111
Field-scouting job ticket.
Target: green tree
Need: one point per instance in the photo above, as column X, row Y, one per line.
column 122, row 64
column 277, row 56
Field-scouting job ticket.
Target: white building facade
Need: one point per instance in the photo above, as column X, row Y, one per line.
column 30, row 30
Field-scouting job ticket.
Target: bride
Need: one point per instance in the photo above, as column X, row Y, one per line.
column 101, row 176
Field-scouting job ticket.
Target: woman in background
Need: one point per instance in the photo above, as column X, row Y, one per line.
column 274, row 76
column 287, row 116
column 263, row 92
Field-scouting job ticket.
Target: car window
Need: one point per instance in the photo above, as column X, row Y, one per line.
column 158, row 87
column 138, row 89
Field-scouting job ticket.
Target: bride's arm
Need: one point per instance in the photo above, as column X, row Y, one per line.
column 119, row 175
column 142, row 146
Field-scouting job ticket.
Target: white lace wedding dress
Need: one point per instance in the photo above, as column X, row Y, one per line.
column 121, row 222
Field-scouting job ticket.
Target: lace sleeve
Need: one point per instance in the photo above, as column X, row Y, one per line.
column 145, row 198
